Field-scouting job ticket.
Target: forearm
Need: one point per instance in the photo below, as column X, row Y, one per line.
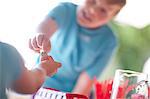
column 48, row 26
column 29, row 81
column 37, row 79
column 83, row 85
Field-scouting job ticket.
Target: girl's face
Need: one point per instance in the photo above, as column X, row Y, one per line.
column 95, row 13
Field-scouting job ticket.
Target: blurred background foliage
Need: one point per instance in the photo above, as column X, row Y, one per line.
column 133, row 49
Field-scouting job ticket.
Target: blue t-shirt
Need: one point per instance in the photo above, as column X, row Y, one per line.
column 10, row 67
column 77, row 48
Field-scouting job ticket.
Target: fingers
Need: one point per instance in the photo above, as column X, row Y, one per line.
column 46, row 57
column 39, row 42
column 50, row 58
column 50, row 74
column 58, row 64
column 50, row 67
column 31, row 46
column 34, row 44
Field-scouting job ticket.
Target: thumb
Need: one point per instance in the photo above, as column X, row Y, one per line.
column 58, row 64
column 46, row 46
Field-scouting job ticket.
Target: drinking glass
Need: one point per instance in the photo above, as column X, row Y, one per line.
column 129, row 84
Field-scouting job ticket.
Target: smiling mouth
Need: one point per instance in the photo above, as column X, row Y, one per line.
column 86, row 16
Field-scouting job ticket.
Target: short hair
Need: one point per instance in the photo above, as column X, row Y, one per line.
column 118, row 2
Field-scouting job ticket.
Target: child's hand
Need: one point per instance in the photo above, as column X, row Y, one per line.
column 49, row 65
column 38, row 42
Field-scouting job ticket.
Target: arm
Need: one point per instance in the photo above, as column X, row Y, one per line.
column 31, row 80
column 47, row 27
column 21, row 79
column 51, row 23
column 41, row 40
column 83, row 85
